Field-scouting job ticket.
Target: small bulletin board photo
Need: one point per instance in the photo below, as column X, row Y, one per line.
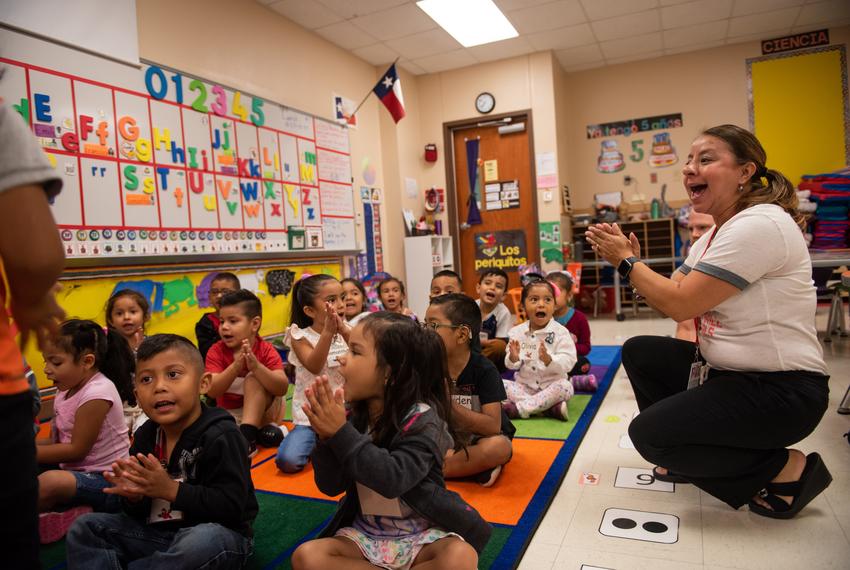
column 170, row 164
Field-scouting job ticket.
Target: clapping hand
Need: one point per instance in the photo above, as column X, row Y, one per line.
column 543, row 354
column 609, row 242
column 248, row 356
column 325, row 409
column 141, row 476
column 513, row 347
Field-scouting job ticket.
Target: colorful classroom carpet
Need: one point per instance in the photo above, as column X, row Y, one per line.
column 293, row 510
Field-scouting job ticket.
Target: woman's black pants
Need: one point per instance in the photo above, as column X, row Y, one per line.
column 729, row 436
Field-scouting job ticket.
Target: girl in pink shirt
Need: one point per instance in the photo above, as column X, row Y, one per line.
column 92, row 373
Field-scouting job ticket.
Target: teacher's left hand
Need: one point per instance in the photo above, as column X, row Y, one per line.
column 609, row 242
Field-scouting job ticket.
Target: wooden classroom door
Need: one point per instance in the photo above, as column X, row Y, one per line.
column 508, row 234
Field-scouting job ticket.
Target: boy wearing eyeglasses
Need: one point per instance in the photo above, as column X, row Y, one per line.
column 477, row 392
column 206, row 330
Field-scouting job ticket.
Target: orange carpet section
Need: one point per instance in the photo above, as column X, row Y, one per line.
column 502, row 503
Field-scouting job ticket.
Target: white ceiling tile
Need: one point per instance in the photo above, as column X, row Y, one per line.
column 672, row 2
column 602, row 9
column 812, row 27
column 346, row 35
column 348, row 9
column 744, row 7
column 424, row 43
column 446, row 61
column 756, row 23
column 502, row 50
column 690, row 35
column 583, row 66
column 376, row 54
column 824, row 12
column 568, row 37
column 579, row 55
column 266, row 2
column 637, row 44
column 693, row 47
column 507, row 5
column 306, row 13
column 395, row 22
column 411, row 67
column 626, row 26
column 695, row 13
column 634, row 57
column 547, row 16
column 755, row 37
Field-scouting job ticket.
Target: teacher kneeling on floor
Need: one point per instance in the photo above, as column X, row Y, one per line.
column 720, row 413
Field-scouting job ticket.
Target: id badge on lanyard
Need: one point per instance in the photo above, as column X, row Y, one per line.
column 699, row 368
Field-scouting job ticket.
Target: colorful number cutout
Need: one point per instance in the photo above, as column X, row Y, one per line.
column 199, row 104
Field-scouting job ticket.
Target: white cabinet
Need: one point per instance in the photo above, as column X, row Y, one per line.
column 423, row 257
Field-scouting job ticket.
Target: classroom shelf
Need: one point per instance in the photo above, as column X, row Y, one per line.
column 423, row 257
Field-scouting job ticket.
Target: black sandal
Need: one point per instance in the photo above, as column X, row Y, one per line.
column 668, row 477
column 812, row 482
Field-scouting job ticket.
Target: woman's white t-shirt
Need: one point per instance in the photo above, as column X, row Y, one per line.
column 770, row 325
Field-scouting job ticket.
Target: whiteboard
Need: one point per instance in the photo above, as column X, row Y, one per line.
column 158, row 162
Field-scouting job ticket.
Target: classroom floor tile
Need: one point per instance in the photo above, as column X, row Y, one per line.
column 711, row 534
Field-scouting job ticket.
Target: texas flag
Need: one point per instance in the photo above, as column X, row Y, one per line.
column 388, row 90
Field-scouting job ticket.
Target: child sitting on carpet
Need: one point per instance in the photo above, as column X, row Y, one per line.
column 316, row 337
column 206, row 329
column 388, row 457
column 188, row 500
column 476, row 389
column 91, row 371
column 444, row 282
column 392, row 296
column 127, row 311
column 576, row 322
column 354, row 295
column 542, row 353
column 496, row 319
column 247, row 372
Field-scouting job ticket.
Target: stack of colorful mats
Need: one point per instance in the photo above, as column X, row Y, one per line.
column 831, row 192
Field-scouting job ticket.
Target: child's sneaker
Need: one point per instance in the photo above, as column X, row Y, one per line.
column 488, row 477
column 510, row 409
column 584, row 382
column 271, row 435
column 53, row 526
column 559, row 411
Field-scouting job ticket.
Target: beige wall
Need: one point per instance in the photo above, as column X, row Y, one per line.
column 269, row 56
column 277, row 59
column 709, row 87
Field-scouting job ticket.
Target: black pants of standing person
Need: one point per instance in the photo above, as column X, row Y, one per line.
column 19, row 542
column 729, row 436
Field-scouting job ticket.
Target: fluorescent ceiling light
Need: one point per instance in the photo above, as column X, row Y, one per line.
column 470, row 22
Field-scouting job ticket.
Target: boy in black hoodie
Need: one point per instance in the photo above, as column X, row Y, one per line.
column 186, row 487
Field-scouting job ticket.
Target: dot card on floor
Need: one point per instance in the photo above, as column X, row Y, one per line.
column 626, row 442
column 631, row 478
column 640, row 525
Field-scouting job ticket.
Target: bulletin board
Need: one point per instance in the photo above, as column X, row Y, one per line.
column 799, row 110
column 159, row 163
column 179, row 297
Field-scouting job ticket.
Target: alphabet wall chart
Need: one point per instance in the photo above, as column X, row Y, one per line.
column 185, row 167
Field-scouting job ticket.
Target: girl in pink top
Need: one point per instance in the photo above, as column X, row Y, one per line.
column 91, row 371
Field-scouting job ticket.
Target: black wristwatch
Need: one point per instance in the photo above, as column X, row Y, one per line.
column 625, row 266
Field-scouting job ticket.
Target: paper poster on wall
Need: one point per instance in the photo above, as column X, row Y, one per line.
column 610, row 158
column 634, row 126
column 550, row 242
column 491, row 170
column 344, row 111
column 546, row 169
column 183, row 166
column 663, row 154
column 505, row 250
